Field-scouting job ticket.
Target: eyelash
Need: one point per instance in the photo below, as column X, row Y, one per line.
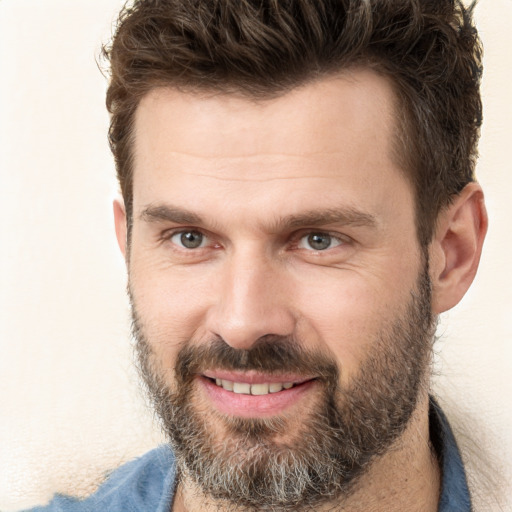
column 295, row 239
column 169, row 235
column 335, row 238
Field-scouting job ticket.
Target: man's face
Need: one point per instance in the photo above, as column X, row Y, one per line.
column 274, row 245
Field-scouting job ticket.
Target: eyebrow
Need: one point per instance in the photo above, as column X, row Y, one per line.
column 345, row 216
column 318, row 217
column 158, row 213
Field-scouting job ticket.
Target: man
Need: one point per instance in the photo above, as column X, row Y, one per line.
column 299, row 206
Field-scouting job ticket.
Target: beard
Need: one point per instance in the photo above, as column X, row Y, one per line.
column 281, row 462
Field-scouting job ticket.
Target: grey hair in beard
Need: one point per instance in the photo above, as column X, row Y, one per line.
column 248, row 467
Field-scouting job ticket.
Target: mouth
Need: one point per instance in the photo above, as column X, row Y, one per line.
column 260, row 389
column 251, row 395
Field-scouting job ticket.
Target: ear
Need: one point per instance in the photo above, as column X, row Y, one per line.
column 120, row 224
column 456, row 248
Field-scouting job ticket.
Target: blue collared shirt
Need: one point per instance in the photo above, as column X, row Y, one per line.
column 147, row 483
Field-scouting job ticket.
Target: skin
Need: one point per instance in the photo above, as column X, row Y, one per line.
column 259, row 177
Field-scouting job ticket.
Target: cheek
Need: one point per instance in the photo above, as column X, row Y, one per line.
column 170, row 307
column 349, row 315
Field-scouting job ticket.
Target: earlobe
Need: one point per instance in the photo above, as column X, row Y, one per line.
column 456, row 248
column 120, row 224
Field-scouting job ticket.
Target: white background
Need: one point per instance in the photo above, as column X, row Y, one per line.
column 69, row 403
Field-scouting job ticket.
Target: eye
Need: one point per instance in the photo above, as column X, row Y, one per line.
column 318, row 242
column 189, row 239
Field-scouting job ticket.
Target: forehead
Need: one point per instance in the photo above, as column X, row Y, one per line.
column 333, row 131
column 339, row 108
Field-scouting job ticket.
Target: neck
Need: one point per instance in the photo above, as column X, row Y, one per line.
column 406, row 477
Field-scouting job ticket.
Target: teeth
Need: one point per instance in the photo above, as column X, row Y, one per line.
column 227, row 385
column 244, row 388
column 275, row 387
column 259, row 389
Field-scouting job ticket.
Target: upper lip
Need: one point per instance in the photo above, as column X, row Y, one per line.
column 252, row 377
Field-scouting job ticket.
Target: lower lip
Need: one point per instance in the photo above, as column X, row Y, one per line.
column 254, row 406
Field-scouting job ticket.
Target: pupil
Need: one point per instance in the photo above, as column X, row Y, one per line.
column 319, row 241
column 191, row 239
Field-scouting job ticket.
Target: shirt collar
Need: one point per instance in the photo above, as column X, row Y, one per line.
column 454, row 486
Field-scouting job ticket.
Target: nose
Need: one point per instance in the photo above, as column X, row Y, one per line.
column 254, row 300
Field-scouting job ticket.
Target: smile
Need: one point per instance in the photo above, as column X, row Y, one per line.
column 254, row 395
column 244, row 388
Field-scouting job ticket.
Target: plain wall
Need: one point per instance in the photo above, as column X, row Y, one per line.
column 70, row 407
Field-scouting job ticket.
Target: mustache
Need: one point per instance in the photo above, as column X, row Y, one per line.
column 270, row 354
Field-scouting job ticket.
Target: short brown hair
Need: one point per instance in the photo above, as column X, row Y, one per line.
column 262, row 48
